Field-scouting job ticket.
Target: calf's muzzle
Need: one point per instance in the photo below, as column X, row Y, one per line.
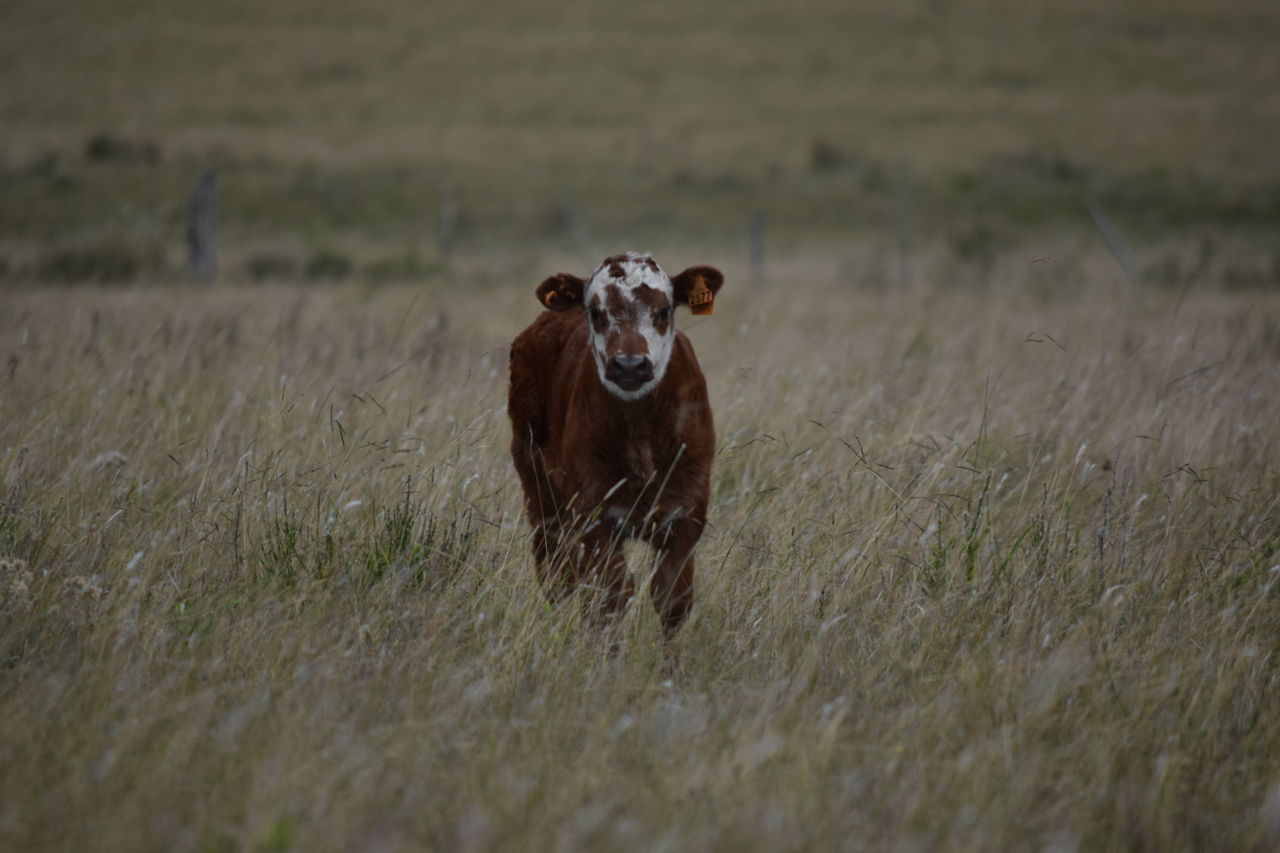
column 629, row 372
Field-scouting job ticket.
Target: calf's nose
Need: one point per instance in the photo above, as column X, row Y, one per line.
column 633, row 368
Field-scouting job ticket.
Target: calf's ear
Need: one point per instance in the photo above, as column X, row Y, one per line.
column 561, row 292
column 697, row 287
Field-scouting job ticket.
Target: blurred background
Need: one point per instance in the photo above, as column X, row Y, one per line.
column 403, row 140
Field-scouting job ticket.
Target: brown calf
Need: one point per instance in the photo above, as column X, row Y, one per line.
column 611, row 432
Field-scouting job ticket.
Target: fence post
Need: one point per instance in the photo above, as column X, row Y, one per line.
column 202, row 238
column 756, row 234
column 1115, row 242
column 447, row 232
column 578, row 232
column 903, row 227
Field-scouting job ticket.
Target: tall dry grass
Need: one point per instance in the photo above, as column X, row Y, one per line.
column 989, row 568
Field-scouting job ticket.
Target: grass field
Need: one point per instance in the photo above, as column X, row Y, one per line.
column 994, row 548
column 987, row 569
column 343, row 132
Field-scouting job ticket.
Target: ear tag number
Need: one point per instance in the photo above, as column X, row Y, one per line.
column 702, row 300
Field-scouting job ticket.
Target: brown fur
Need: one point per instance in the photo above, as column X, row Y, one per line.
column 597, row 470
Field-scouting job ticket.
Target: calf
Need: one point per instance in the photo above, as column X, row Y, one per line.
column 612, row 434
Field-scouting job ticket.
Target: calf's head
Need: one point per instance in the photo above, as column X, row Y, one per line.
column 629, row 306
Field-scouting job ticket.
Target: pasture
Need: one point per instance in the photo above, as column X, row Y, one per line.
column 994, row 531
column 985, row 569
column 340, row 134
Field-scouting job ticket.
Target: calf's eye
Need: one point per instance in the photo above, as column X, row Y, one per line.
column 664, row 314
column 597, row 316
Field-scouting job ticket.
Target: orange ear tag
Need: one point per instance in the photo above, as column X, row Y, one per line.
column 549, row 298
column 702, row 300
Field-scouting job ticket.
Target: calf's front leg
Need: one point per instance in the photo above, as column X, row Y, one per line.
column 604, row 577
column 672, row 584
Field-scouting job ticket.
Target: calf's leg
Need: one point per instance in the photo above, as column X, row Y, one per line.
column 544, row 509
column 672, row 584
column 604, row 578
column 555, row 574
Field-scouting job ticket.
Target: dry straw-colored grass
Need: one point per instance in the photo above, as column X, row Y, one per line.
column 989, row 568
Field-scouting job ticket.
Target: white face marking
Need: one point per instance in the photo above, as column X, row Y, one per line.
column 627, row 274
